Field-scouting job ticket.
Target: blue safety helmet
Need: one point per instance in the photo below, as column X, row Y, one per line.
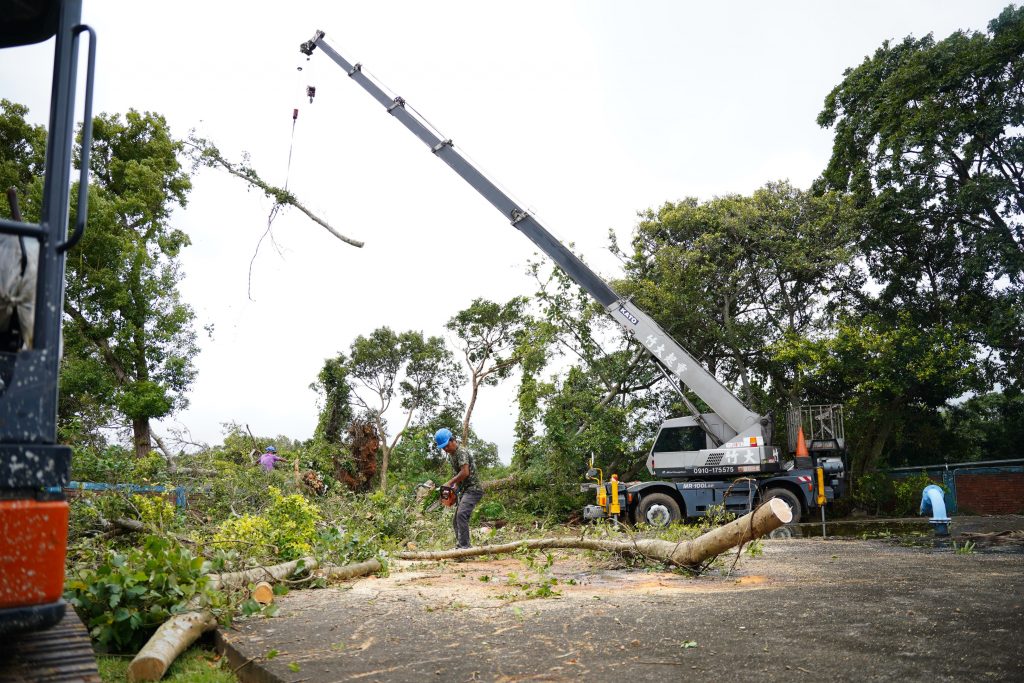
column 442, row 437
column 271, row 449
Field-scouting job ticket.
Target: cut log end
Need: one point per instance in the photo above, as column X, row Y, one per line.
column 781, row 510
column 263, row 593
column 146, row 669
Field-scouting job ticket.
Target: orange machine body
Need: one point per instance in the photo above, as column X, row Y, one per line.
column 33, row 544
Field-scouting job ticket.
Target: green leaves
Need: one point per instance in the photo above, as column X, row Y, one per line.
column 128, row 595
column 130, row 340
column 928, row 141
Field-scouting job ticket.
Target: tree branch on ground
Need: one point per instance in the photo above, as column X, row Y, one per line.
column 766, row 518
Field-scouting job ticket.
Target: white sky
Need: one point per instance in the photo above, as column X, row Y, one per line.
column 586, row 112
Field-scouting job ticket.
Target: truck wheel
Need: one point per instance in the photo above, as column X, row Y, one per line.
column 790, row 499
column 658, row 509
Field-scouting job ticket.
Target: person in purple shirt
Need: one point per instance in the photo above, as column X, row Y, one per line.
column 269, row 458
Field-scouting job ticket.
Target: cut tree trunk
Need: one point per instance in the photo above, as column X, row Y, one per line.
column 769, row 516
column 272, row 573
column 263, row 593
column 181, row 630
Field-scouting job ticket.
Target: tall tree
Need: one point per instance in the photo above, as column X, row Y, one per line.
column 492, row 339
column 129, row 345
column 608, row 372
column 127, row 319
column 928, row 139
column 731, row 277
column 419, row 372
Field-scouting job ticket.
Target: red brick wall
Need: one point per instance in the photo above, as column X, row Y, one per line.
column 990, row 494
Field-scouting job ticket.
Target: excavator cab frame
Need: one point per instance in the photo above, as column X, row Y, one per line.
column 33, row 466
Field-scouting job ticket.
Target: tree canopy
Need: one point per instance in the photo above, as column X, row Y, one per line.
column 928, row 142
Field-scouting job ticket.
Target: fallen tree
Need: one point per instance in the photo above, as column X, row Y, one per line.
column 181, row 630
column 763, row 520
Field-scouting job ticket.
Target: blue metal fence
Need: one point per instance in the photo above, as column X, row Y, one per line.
column 180, row 498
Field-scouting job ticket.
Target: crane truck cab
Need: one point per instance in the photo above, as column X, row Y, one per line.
column 688, row 446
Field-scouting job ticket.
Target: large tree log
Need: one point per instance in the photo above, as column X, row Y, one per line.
column 181, row 630
column 769, row 516
column 350, row 571
column 272, row 573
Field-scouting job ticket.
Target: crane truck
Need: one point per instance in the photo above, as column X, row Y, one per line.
column 725, row 458
column 41, row 637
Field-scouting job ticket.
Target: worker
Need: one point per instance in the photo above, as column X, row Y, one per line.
column 270, row 458
column 466, row 481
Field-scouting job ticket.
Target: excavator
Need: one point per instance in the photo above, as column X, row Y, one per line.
column 40, row 639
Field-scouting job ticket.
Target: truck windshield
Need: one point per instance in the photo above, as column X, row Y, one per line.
column 671, row 439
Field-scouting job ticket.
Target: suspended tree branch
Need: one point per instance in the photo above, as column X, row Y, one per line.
column 206, row 154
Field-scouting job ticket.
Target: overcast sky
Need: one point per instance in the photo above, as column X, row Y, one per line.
column 586, row 112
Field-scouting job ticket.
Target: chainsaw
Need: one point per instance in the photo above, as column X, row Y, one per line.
column 449, row 495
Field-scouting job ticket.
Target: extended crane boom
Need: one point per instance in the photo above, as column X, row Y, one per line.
column 748, row 434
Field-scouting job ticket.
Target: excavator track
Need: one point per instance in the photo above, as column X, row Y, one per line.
column 62, row 654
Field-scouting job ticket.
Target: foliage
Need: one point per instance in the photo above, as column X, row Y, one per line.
column 157, row 512
column 130, row 342
column 908, row 493
column 129, row 594
column 928, row 141
column 536, row 581
column 287, row 526
column 730, row 277
column 881, row 367
column 109, row 464
column 335, row 414
column 985, row 427
column 881, row 493
column 492, row 339
column 418, row 371
column 22, row 155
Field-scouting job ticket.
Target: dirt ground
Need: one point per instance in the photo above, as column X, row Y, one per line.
column 894, row 608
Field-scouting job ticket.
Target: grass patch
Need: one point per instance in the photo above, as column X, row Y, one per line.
column 195, row 665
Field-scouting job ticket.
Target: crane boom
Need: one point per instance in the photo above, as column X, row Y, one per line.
column 668, row 353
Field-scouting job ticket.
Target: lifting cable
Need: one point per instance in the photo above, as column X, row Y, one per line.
column 310, row 93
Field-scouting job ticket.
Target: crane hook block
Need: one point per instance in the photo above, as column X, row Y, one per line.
column 307, row 47
column 310, row 93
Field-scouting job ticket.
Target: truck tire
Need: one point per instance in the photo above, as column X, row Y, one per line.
column 658, row 509
column 790, row 499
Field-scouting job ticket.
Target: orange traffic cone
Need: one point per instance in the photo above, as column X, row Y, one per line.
column 801, row 446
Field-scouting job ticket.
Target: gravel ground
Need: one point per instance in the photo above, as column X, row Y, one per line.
column 813, row 609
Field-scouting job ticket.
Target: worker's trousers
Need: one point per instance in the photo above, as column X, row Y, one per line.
column 460, row 522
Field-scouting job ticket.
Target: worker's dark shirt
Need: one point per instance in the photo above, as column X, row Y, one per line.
column 461, row 457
